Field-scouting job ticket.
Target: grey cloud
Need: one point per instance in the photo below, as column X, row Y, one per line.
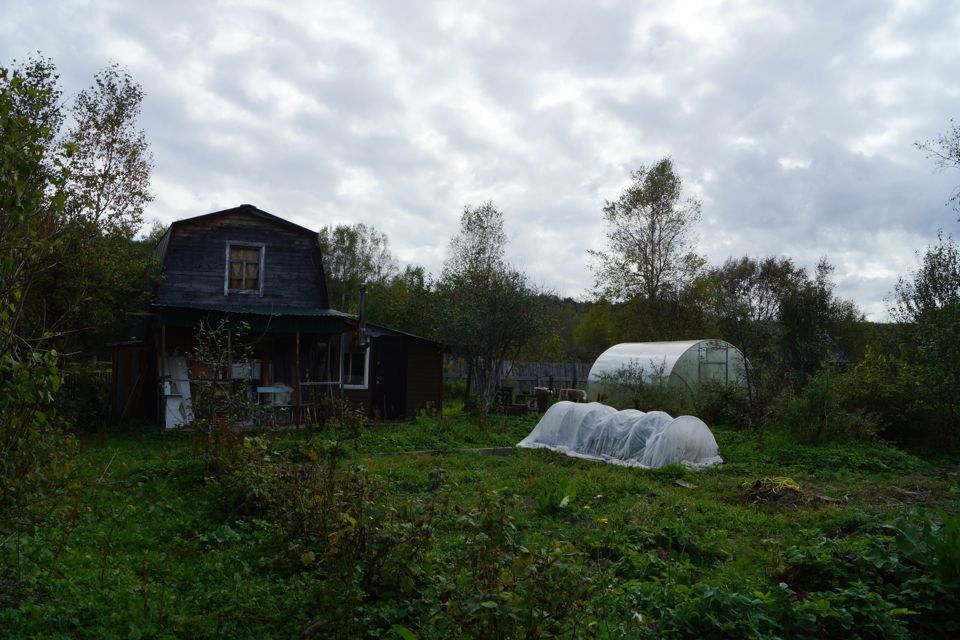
column 794, row 122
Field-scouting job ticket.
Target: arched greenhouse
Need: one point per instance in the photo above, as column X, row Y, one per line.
column 684, row 366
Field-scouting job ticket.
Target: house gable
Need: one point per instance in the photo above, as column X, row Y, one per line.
column 275, row 263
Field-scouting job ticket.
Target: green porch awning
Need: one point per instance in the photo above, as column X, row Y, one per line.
column 268, row 320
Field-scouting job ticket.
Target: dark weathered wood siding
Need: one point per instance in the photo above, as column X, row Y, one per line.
column 133, row 382
column 194, row 255
column 195, row 263
column 362, row 399
column 423, row 380
column 424, row 375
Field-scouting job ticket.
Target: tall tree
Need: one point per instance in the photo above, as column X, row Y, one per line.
column 100, row 271
column 110, row 160
column 818, row 325
column 32, row 197
column 784, row 321
column 745, row 300
column 406, row 302
column 57, row 248
column 650, row 238
column 354, row 255
column 488, row 308
column 71, row 266
column 927, row 302
column 596, row 331
column 944, row 150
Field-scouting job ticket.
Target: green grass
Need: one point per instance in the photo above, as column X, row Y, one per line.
column 145, row 548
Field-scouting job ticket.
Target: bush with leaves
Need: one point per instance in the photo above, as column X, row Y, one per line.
column 36, row 458
column 894, row 388
column 907, row 566
column 820, row 412
column 498, row 586
column 332, row 527
column 646, row 388
column 720, row 402
column 221, row 404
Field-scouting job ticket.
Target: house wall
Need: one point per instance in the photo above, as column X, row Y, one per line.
column 194, row 256
column 424, row 376
column 195, row 263
column 423, row 379
column 362, row 399
column 132, row 382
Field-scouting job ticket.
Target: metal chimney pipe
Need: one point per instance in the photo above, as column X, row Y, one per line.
column 362, row 317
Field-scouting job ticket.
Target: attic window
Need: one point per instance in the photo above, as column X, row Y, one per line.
column 244, row 269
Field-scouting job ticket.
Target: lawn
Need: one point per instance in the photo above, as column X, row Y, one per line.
column 422, row 537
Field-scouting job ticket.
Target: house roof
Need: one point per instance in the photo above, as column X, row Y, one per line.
column 243, row 208
column 377, row 331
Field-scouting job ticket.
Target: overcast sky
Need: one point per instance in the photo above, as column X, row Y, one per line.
column 794, row 122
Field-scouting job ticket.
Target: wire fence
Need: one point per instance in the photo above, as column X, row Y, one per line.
column 524, row 376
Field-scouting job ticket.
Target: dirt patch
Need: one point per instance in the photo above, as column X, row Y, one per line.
column 777, row 491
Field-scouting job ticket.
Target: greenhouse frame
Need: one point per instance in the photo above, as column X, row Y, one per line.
column 684, row 366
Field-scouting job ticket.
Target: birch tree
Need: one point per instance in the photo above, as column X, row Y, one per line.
column 488, row 308
column 649, row 238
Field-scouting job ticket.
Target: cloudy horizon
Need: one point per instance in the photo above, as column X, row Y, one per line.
column 793, row 122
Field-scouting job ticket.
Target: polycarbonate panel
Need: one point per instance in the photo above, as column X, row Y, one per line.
column 685, row 365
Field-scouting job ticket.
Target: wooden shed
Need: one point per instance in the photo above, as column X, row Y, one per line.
column 244, row 265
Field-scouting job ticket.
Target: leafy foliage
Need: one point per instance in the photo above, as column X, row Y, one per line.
column 55, row 246
column 945, row 152
column 407, row 301
column 110, row 163
column 354, row 255
column 786, row 322
column 488, row 309
column 649, row 237
column 820, row 412
column 317, row 535
column 644, row 387
column 928, row 302
column 72, row 202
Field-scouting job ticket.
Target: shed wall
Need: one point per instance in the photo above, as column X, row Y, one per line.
column 424, row 376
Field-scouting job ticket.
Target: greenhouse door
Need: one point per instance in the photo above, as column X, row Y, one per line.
column 714, row 363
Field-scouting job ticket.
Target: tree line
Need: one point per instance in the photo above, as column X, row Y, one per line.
column 799, row 337
column 650, row 285
column 75, row 185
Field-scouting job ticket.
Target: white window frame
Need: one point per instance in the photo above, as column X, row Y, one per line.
column 344, row 342
column 226, row 269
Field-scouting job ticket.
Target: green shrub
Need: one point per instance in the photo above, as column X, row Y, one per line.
column 854, row 611
column 36, row 458
column 496, row 585
column 819, row 413
column 899, row 392
column 720, row 403
column 84, row 397
column 552, row 496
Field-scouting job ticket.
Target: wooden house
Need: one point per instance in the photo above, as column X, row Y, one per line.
column 244, row 265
